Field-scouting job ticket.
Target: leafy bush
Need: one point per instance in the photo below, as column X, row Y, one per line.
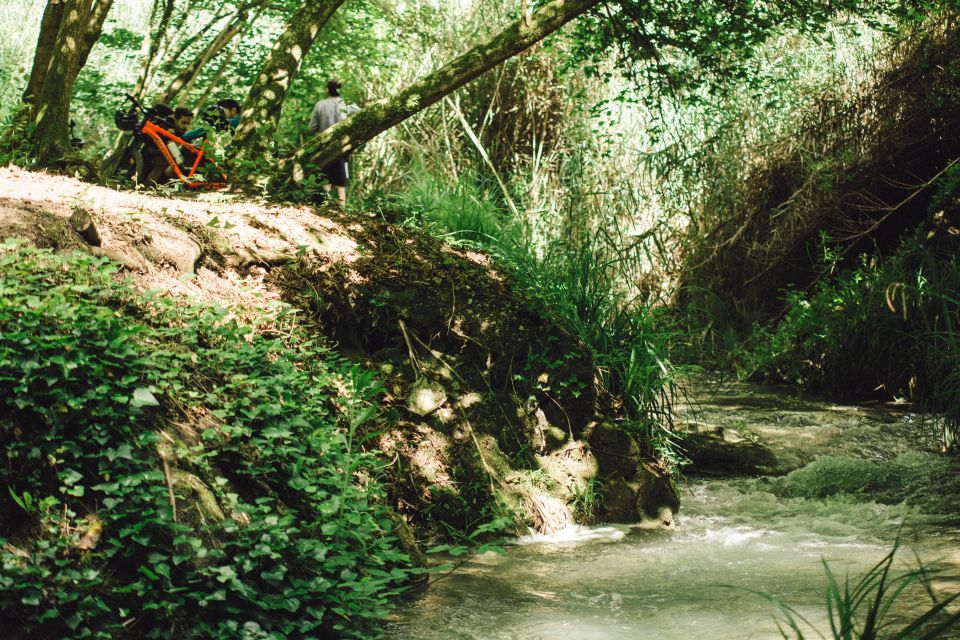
column 888, row 325
column 170, row 472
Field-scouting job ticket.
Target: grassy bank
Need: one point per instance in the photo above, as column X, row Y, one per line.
column 583, row 277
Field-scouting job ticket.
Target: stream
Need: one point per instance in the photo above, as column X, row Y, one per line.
column 732, row 541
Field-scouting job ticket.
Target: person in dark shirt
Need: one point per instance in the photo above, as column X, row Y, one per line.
column 182, row 119
column 326, row 113
column 231, row 111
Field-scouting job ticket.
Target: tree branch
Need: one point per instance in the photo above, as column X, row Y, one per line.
column 386, row 113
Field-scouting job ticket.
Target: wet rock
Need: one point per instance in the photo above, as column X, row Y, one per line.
column 82, row 222
column 656, row 497
column 650, row 498
column 620, row 500
column 615, row 449
column 715, row 456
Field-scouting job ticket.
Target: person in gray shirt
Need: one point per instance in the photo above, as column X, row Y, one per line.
column 327, row 113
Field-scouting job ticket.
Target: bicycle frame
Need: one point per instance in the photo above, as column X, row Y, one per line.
column 157, row 134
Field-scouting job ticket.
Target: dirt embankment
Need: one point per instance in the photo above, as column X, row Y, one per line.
column 491, row 405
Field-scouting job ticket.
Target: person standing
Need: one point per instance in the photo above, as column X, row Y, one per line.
column 326, row 113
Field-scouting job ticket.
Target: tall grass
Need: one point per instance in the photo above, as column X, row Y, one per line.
column 584, row 278
column 888, row 326
column 862, row 610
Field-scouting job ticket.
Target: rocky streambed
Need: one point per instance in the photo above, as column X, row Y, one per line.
column 841, row 483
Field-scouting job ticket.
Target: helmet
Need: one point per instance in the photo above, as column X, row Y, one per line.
column 125, row 119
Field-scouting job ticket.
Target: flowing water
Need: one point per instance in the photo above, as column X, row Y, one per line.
column 733, row 541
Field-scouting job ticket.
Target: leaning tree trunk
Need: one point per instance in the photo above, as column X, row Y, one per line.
column 383, row 114
column 79, row 30
column 264, row 103
column 150, row 51
column 189, row 73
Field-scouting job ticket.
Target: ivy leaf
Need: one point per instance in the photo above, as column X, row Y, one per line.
column 143, row 397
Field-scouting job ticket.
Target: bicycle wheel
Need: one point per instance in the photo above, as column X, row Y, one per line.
column 122, row 164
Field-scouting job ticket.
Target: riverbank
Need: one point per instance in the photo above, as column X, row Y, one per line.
column 734, row 539
column 184, row 378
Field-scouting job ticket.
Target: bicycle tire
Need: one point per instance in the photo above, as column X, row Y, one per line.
column 123, row 163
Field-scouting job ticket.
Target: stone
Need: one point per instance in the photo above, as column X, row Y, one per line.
column 656, row 497
column 615, row 449
column 620, row 500
column 555, row 437
column 176, row 249
column 716, row 457
column 425, row 397
column 82, row 222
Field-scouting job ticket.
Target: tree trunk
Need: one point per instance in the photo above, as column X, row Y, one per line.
column 49, row 27
column 79, row 30
column 151, row 45
column 189, row 73
column 221, row 70
column 264, row 103
column 386, row 113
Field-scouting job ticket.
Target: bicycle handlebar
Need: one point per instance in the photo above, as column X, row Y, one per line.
column 134, row 101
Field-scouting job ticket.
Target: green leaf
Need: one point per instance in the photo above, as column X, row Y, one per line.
column 31, row 599
column 143, row 397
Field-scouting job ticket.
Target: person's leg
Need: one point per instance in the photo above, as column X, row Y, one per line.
column 342, row 195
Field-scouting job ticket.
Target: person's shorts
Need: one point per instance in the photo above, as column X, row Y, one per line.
column 336, row 172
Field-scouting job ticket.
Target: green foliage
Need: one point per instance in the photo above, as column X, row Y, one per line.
column 460, row 211
column 587, row 501
column 171, row 471
column 927, row 481
column 486, row 538
column 859, row 611
column 689, row 49
column 579, row 279
column 888, row 324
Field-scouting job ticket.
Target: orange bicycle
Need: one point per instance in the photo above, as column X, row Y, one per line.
column 199, row 172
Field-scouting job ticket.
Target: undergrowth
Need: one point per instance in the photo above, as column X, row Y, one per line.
column 887, row 325
column 581, row 278
column 923, row 480
column 170, row 472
